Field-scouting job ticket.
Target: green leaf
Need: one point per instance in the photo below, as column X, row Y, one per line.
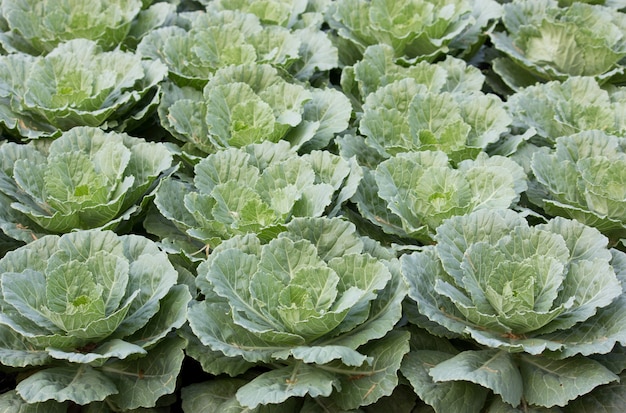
column 80, row 384
column 11, row 402
column 608, row 398
column 140, row 382
column 549, row 382
column 114, row 348
column 17, row 352
column 494, row 369
column 459, row 396
column 361, row 386
column 276, row 386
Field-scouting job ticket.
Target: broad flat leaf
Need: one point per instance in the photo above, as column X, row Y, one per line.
column 549, row 382
column 17, row 352
column 213, row 362
column 494, row 369
column 140, row 382
column 325, row 354
column 80, row 384
column 109, row 349
column 609, row 398
column 458, row 396
column 366, row 384
column 11, row 402
column 296, row 380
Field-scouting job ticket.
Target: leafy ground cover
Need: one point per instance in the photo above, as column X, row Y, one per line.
column 312, row 206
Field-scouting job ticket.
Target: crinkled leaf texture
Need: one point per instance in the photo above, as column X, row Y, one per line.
column 553, row 287
column 561, row 108
column 76, row 84
column 547, row 42
column 87, row 178
column 256, row 189
column 422, row 189
column 309, row 298
column 98, row 303
column 36, row 27
column 584, row 179
column 426, row 106
column 252, row 103
column 417, row 29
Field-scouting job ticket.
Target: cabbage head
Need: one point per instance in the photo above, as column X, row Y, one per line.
column 76, row 84
column 252, row 103
column 546, row 42
column 412, row 193
column 89, row 314
column 535, row 301
column 87, row 178
column 415, row 29
column 36, row 26
column 584, row 178
column 255, row 189
column 315, row 304
column 559, row 108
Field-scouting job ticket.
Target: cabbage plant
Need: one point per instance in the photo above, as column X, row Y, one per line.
column 379, row 67
column 203, row 42
column 314, row 304
column 412, row 193
column 556, row 108
column 36, row 27
column 584, row 178
column 416, row 29
column 87, row 317
column 536, row 301
column 256, row 189
column 76, row 84
column 546, row 42
column 251, row 103
column 87, row 178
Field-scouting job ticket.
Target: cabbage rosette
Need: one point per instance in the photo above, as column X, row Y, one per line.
column 556, row 108
column 89, row 314
column 313, row 304
column 38, row 26
column 76, row 84
column 202, row 43
column 416, row 29
column 254, row 189
column 551, row 287
column 537, row 299
column 546, row 42
column 87, row 178
column 584, row 178
column 251, row 103
column 412, row 193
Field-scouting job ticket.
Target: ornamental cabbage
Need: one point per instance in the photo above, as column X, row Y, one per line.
column 90, row 314
column 251, row 103
column 256, row 189
column 87, row 178
column 412, row 193
column 536, row 299
column 379, row 67
column 546, row 42
column 206, row 41
column 76, row 84
column 38, row 26
column 555, row 108
column 416, row 29
column 584, row 178
column 313, row 304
